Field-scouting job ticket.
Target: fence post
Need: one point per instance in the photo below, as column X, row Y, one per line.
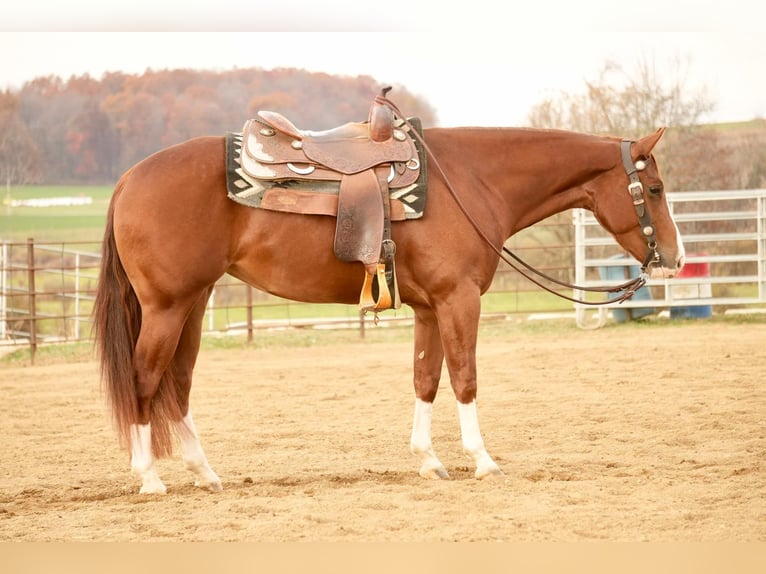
column 76, row 298
column 761, row 249
column 3, row 290
column 32, row 299
column 249, row 314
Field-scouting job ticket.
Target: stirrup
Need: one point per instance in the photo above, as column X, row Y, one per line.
column 375, row 293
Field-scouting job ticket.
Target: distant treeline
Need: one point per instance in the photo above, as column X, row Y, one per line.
column 86, row 130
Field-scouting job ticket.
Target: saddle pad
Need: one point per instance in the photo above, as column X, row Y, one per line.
column 314, row 197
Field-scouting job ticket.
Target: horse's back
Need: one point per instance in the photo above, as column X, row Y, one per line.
column 175, row 223
column 175, row 217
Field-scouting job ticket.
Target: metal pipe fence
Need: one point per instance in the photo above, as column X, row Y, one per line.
column 724, row 233
column 47, row 290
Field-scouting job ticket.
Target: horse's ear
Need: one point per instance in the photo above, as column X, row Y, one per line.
column 645, row 145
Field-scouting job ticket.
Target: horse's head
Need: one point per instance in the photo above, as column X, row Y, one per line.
column 631, row 205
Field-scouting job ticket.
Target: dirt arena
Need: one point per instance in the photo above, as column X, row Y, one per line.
column 628, row 433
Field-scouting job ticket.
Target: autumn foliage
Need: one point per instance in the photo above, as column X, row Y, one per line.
column 87, row 130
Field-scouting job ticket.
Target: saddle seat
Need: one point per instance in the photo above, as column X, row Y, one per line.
column 351, row 130
column 379, row 126
column 347, row 149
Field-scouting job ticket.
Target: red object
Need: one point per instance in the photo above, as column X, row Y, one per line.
column 701, row 269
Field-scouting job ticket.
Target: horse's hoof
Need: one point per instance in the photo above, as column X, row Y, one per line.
column 211, row 486
column 489, row 473
column 438, row 473
column 153, row 489
column 206, row 477
column 151, row 484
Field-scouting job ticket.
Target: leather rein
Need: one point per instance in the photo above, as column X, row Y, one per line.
column 636, row 190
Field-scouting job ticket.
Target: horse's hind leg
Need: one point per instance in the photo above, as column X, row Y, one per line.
column 158, row 338
column 142, row 460
column 183, row 364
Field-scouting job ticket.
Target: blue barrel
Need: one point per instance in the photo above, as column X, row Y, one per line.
column 623, row 273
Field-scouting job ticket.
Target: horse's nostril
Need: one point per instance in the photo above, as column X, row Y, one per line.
column 680, row 263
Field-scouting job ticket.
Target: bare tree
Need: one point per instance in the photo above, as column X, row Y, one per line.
column 19, row 157
column 629, row 104
column 634, row 104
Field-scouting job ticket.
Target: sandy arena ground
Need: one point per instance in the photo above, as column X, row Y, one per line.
column 653, row 432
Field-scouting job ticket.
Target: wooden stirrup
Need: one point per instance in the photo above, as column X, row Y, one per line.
column 375, row 294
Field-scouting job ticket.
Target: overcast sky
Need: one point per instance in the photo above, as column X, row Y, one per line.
column 487, row 65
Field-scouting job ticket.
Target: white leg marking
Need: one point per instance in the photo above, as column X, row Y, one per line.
column 420, row 442
column 142, row 461
column 193, row 455
column 473, row 444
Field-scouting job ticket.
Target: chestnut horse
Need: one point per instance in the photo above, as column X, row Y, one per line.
column 172, row 232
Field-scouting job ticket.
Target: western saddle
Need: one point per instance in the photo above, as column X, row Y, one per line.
column 367, row 159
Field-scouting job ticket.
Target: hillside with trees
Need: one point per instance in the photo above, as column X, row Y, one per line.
column 83, row 130
column 87, row 130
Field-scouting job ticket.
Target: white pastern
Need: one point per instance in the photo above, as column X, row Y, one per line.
column 420, row 442
column 193, row 455
column 142, row 461
column 473, row 444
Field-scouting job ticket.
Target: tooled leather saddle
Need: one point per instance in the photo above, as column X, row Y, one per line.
column 363, row 161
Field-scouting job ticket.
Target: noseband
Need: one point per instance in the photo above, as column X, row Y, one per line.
column 636, row 189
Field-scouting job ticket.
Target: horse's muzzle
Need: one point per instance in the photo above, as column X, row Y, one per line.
column 665, row 271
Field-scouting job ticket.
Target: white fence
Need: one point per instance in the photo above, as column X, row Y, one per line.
column 46, row 290
column 724, row 233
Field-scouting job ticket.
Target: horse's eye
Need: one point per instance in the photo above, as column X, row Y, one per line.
column 655, row 189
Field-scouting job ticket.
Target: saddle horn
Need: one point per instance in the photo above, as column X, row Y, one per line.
column 381, row 118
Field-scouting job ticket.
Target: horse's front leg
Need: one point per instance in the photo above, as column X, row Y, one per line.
column 459, row 325
column 427, row 371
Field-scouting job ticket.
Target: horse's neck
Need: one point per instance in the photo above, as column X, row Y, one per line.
column 535, row 173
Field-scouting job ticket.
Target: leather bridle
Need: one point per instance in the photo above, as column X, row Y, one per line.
column 636, row 190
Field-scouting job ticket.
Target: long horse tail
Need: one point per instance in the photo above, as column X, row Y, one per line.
column 116, row 324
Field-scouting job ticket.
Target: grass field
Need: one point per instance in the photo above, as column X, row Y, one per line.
column 56, row 223
column 85, row 223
